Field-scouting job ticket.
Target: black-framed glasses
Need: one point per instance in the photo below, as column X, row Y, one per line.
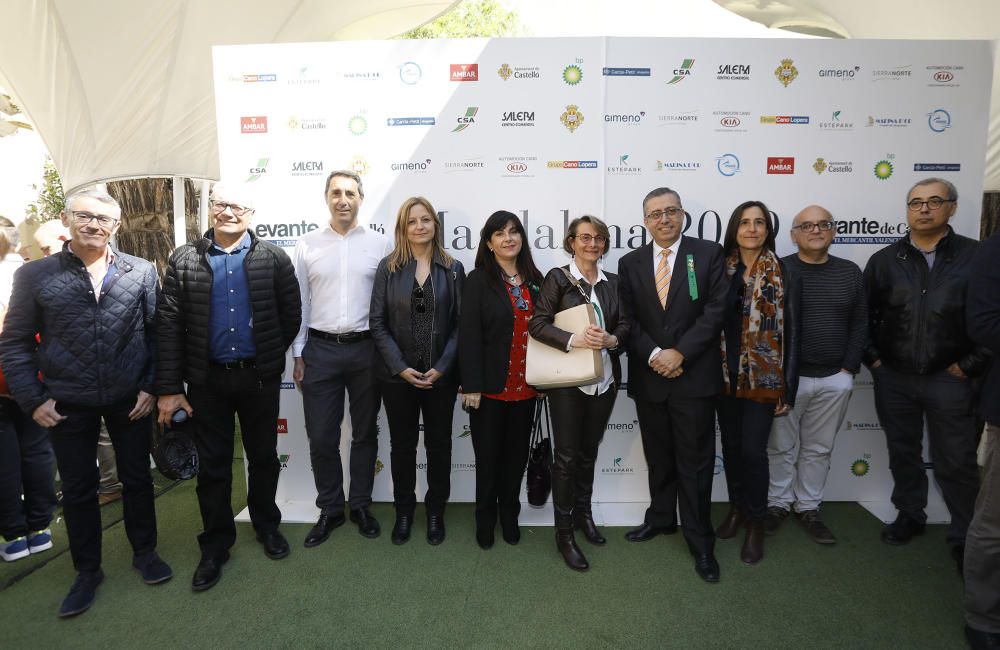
column 933, row 203
column 586, row 239
column 519, row 302
column 103, row 220
column 219, row 207
column 673, row 213
column 809, row 226
column 418, row 295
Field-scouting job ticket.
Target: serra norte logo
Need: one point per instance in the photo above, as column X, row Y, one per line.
column 683, row 72
column 466, row 120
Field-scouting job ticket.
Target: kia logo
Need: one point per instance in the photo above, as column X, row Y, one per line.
column 730, row 121
column 517, row 167
column 943, row 76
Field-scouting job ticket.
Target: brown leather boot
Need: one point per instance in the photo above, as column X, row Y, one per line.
column 570, row 551
column 753, row 545
column 731, row 524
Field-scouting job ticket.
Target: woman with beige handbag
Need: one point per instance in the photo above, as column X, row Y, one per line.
column 580, row 413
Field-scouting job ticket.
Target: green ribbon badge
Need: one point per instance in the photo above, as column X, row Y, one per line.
column 692, row 281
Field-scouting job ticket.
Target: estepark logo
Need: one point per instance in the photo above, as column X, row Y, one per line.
column 572, row 74
column 681, row 73
column 517, row 118
column 618, row 467
column 464, row 72
column 259, row 78
column 467, row 120
column 572, row 118
column 784, row 119
column 357, row 124
column 786, row 72
column 253, row 124
column 680, row 118
column 258, row 170
column 780, row 165
column 728, row 164
column 623, row 167
column 837, row 122
column 302, row 77
column 944, row 76
column 843, row 74
column 379, row 466
column 410, row 73
column 411, row 165
column 833, row 167
column 897, row 73
column 625, row 72
column 939, row 120
column 733, row 72
column 410, row 121
column 466, row 431
column 572, row 164
column 306, row 168
column 518, row 73
column 282, row 425
column 861, row 466
column 677, row 166
column 937, row 167
column 624, row 118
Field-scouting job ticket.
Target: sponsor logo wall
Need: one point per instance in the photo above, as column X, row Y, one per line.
column 555, row 128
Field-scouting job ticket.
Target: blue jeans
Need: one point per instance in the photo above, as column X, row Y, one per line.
column 26, row 467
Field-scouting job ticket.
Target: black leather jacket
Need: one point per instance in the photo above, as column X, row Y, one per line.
column 389, row 318
column 917, row 316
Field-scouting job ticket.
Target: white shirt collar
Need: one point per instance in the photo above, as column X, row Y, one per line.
column 657, row 249
column 576, row 273
column 359, row 226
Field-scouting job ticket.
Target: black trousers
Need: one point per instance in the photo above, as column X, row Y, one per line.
column 404, row 404
column 578, row 422
column 332, row 369
column 27, row 467
column 746, row 426
column 229, row 393
column 75, row 442
column 903, row 401
column 678, row 441
column 500, row 435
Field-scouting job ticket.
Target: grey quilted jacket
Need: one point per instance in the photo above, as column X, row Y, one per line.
column 92, row 353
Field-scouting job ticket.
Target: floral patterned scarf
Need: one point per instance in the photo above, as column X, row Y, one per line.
column 759, row 376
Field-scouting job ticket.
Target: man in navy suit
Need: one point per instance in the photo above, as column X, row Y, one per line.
column 673, row 293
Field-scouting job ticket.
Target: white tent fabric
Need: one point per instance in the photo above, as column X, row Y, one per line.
column 964, row 19
column 121, row 89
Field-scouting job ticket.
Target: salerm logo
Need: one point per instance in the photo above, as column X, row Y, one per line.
column 837, row 122
column 303, row 77
column 467, row 120
column 625, row 72
column 937, row 167
column 258, row 170
column 861, row 466
column 822, row 166
column 410, row 121
column 784, row 119
column 897, row 73
column 624, row 118
column 506, row 72
column 679, row 118
column 623, row 167
column 618, row 466
column 843, row 74
column 733, row 72
column 282, row 425
column 306, row 168
column 517, row 118
column 411, row 165
column 865, row 230
column 253, row 124
column 681, row 72
column 677, row 165
column 780, row 165
column 464, row 72
column 572, row 164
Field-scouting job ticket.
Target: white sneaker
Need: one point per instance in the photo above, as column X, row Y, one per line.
column 15, row 549
column 40, row 540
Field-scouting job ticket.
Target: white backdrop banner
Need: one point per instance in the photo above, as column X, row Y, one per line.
column 555, row 128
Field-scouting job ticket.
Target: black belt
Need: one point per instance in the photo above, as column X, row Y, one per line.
column 235, row 365
column 341, row 339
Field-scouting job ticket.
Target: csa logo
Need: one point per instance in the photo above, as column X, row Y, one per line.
column 572, row 74
column 861, row 466
column 259, row 170
column 357, row 125
column 283, row 460
column 786, row 72
column 466, row 431
column 883, row 168
column 282, row 425
column 682, row 73
column 572, row 118
column 466, row 120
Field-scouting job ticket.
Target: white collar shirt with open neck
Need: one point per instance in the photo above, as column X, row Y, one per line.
column 608, row 378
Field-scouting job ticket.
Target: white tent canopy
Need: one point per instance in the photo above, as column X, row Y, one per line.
column 121, row 89
column 963, row 19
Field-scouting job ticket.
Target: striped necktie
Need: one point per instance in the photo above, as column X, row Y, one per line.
column 663, row 277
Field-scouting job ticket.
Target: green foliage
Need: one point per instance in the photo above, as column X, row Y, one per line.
column 471, row 19
column 50, row 201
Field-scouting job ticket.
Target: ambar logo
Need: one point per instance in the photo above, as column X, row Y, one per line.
column 780, row 165
column 464, row 72
column 253, row 124
column 282, row 425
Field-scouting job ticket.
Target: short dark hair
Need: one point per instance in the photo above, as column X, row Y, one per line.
column 346, row 173
column 599, row 226
column 485, row 259
column 952, row 190
column 729, row 243
column 660, row 191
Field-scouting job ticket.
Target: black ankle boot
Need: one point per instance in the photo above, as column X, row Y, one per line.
column 570, row 551
column 731, row 524
column 584, row 522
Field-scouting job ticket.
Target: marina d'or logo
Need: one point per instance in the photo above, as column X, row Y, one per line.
column 572, row 74
column 860, row 467
column 682, row 73
column 572, row 118
column 786, row 72
column 883, row 169
column 357, row 124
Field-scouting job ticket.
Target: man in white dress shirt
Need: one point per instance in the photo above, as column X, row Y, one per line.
column 334, row 351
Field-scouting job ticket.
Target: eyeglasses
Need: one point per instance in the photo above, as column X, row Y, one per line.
column 219, row 207
column 933, row 203
column 586, row 239
column 810, row 226
column 418, row 293
column 656, row 215
column 84, row 218
column 520, row 303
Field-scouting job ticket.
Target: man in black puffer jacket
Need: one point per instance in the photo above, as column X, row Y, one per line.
column 230, row 308
column 95, row 309
column 922, row 360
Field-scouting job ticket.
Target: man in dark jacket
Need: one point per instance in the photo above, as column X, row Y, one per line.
column 921, row 360
column 95, row 308
column 982, row 550
column 229, row 310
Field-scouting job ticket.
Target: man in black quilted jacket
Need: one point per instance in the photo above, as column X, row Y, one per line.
column 95, row 308
column 230, row 308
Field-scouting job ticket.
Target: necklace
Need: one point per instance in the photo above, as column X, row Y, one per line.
column 510, row 278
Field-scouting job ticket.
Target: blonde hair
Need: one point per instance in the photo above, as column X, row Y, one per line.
column 403, row 254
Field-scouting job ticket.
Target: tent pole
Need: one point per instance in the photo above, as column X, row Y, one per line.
column 180, row 225
column 203, row 208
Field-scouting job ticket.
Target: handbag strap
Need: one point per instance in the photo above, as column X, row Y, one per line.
column 575, row 283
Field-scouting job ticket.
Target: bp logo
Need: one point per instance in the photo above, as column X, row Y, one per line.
column 572, row 118
column 379, row 466
column 883, row 170
column 357, row 124
column 860, row 467
column 572, row 75
column 786, row 72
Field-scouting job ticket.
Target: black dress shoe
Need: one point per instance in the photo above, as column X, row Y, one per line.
column 511, row 534
column 584, row 522
column 484, row 537
column 979, row 640
column 208, row 572
column 902, row 530
column 82, row 594
column 958, row 554
column 275, row 544
column 367, row 523
column 401, row 531
column 646, row 532
column 321, row 531
column 706, row 566
column 435, row 529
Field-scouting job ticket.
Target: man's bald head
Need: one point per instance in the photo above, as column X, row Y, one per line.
column 812, row 213
column 50, row 236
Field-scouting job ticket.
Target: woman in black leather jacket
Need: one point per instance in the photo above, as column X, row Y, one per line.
column 579, row 415
column 414, row 321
